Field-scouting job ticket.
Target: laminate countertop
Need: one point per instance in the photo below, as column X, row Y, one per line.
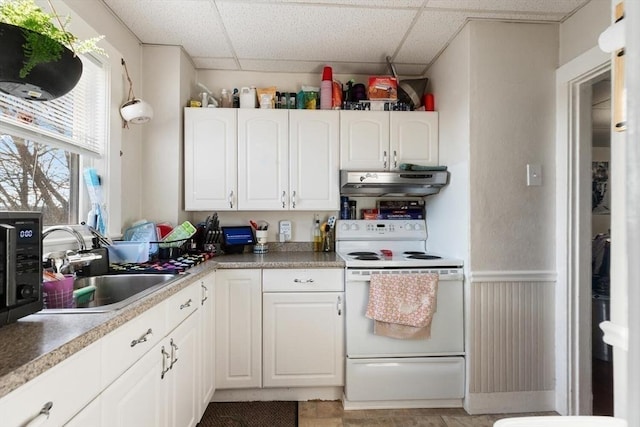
column 40, row 341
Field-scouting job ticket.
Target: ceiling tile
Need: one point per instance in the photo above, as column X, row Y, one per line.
column 313, row 33
column 550, row 7
column 193, row 24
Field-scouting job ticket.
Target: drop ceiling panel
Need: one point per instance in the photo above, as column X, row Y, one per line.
column 193, row 24
column 313, row 33
column 301, row 35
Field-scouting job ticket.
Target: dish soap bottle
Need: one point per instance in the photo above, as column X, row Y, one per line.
column 317, row 236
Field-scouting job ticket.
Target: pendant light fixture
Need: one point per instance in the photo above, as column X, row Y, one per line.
column 135, row 110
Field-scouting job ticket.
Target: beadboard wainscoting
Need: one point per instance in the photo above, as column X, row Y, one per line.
column 510, row 346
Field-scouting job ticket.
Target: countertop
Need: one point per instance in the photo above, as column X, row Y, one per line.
column 40, row 341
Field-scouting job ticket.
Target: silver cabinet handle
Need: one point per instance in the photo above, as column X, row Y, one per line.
column 165, row 357
column 339, row 306
column 174, row 353
column 42, row 416
column 284, row 194
column 384, row 159
column 186, row 304
column 143, row 338
column 303, row 281
column 231, row 199
column 205, row 294
column 293, row 199
column 395, row 159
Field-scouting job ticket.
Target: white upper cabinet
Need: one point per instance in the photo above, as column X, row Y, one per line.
column 382, row 140
column 413, row 138
column 210, row 159
column 314, row 143
column 364, row 140
column 263, row 153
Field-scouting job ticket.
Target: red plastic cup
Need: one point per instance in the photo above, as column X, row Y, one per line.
column 429, row 102
column 327, row 73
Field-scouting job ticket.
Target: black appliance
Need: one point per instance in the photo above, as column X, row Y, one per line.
column 20, row 265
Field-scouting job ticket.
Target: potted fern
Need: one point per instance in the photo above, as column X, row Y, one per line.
column 39, row 59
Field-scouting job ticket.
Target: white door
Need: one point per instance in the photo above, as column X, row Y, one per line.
column 207, row 355
column 238, row 329
column 263, row 153
column 210, row 159
column 314, row 144
column 183, row 377
column 414, row 138
column 364, row 140
column 303, row 339
column 137, row 397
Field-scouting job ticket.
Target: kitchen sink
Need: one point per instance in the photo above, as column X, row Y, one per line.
column 115, row 291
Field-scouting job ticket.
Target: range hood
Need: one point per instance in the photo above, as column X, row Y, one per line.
column 393, row 183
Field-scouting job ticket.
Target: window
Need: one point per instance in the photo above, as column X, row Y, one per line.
column 45, row 144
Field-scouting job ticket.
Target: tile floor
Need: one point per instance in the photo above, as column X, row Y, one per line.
column 331, row 414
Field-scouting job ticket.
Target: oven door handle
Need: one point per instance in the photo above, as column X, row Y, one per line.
column 303, row 280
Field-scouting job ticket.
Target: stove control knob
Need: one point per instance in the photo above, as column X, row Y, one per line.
column 408, row 226
column 344, row 226
column 354, row 226
column 417, row 227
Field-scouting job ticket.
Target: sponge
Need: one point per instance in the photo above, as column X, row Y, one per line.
column 84, row 295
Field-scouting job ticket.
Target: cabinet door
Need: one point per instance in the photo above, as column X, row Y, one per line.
column 207, row 342
column 138, row 397
column 238, row 329
column 414, row 138
column 263, row 147
column 364, row 140
column 210, row 159
column 182, row 379
column 90, row 416
column 303, row 339
column 314, row 143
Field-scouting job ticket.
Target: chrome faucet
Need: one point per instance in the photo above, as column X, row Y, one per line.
column 75, row 233
column 68, row 259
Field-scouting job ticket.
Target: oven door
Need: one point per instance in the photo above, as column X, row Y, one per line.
column 447, row 326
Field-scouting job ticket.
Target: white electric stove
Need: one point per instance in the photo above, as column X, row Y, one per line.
column 383, row 372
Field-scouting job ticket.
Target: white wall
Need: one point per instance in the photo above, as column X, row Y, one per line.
column 448, row 211
column 124, row 184
column 512, row 125
column 168, row 76
column 580, row 32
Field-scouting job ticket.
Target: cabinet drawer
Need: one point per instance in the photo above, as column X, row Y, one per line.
column 78, row 376
column 124, row 346
column 301, row 280
column 181, row 305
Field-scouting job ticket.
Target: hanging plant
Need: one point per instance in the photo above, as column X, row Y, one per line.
column 41, row 45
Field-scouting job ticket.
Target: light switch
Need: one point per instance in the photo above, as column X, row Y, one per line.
column 534, row 175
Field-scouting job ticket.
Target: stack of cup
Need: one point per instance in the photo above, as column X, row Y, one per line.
column 326, row 89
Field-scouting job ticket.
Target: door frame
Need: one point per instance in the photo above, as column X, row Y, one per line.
column 573, row 249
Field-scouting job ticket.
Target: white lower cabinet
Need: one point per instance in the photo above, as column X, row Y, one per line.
column 89, row 416
column 41, row 402
column 238, row 329
column 279, row 328
column 161, row 388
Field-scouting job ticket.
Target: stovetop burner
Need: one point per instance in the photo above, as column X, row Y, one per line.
column 361, row 253
column 423, row 256
column 368, row 257
column 413, row 253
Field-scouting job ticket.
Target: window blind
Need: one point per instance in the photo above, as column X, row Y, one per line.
column 75, row 122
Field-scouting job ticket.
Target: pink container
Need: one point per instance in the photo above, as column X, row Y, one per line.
column 58, row 293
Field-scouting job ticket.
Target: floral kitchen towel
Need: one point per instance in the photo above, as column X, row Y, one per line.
column 402, row 305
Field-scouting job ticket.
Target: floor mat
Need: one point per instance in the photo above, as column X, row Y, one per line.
column 250, row 414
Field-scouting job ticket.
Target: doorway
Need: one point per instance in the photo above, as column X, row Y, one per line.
column 602, row 353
